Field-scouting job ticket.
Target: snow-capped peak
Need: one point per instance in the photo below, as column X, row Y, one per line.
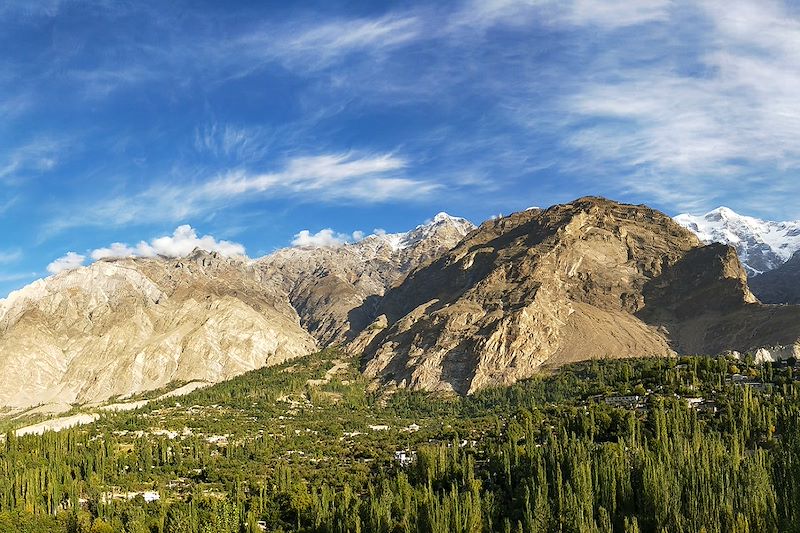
column 723, row 212
column 441, row 226
column 440, row 222
column 442, row 217
column 762, row 245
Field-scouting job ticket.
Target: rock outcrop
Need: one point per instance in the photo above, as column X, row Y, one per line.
column 589, row 279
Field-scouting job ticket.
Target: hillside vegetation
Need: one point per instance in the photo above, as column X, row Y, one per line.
column 691, row 444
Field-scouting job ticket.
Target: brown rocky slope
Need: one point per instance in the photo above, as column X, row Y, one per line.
column 589, row 279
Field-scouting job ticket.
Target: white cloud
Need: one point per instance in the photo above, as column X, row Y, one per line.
column 324, row 178
column 10, row 256
column 182, row 242
column 242, row 144
column 686, row 125
column 119, row 249
column 324, row 238
column 67, row 262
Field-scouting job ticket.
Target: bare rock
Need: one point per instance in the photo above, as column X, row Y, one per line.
column 589, row 279
column 335, row 290
column 126, row 326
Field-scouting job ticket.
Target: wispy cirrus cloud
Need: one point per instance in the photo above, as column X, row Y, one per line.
column 682, row 124
column 316, row 45
column 227, row 141
column 32, row 157
column 303, row 44
column 323, row 178
column 614, row 14
column 10, row 256
column 679, row 103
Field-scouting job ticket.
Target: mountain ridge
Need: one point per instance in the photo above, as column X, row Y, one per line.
column 121, row 326
column 592, row 278
column 762, row 245
column 444, row 306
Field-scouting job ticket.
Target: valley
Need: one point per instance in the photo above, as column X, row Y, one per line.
column 480, row 266
column 592, row 366
column 302, row 446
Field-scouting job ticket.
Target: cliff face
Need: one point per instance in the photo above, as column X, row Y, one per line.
column 583, row 280
column 126, row 326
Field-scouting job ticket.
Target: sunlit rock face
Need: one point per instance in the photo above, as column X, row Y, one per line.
column 120, row 327
column 589, row 279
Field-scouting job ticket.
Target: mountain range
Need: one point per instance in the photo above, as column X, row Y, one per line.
column 762, row 245
column 122, row 326
column 446, row 306
column 588, row 279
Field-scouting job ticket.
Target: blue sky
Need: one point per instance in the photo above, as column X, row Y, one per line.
column 124, row 121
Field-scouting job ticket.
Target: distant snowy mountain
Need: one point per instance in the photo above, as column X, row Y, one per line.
column 762, row 245
column 441, row 226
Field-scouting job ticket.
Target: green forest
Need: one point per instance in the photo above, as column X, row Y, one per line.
column 665, row 445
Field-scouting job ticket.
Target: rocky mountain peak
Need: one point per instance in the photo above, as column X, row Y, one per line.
column 591, row 278
column 442, row 228
column 722, row 213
